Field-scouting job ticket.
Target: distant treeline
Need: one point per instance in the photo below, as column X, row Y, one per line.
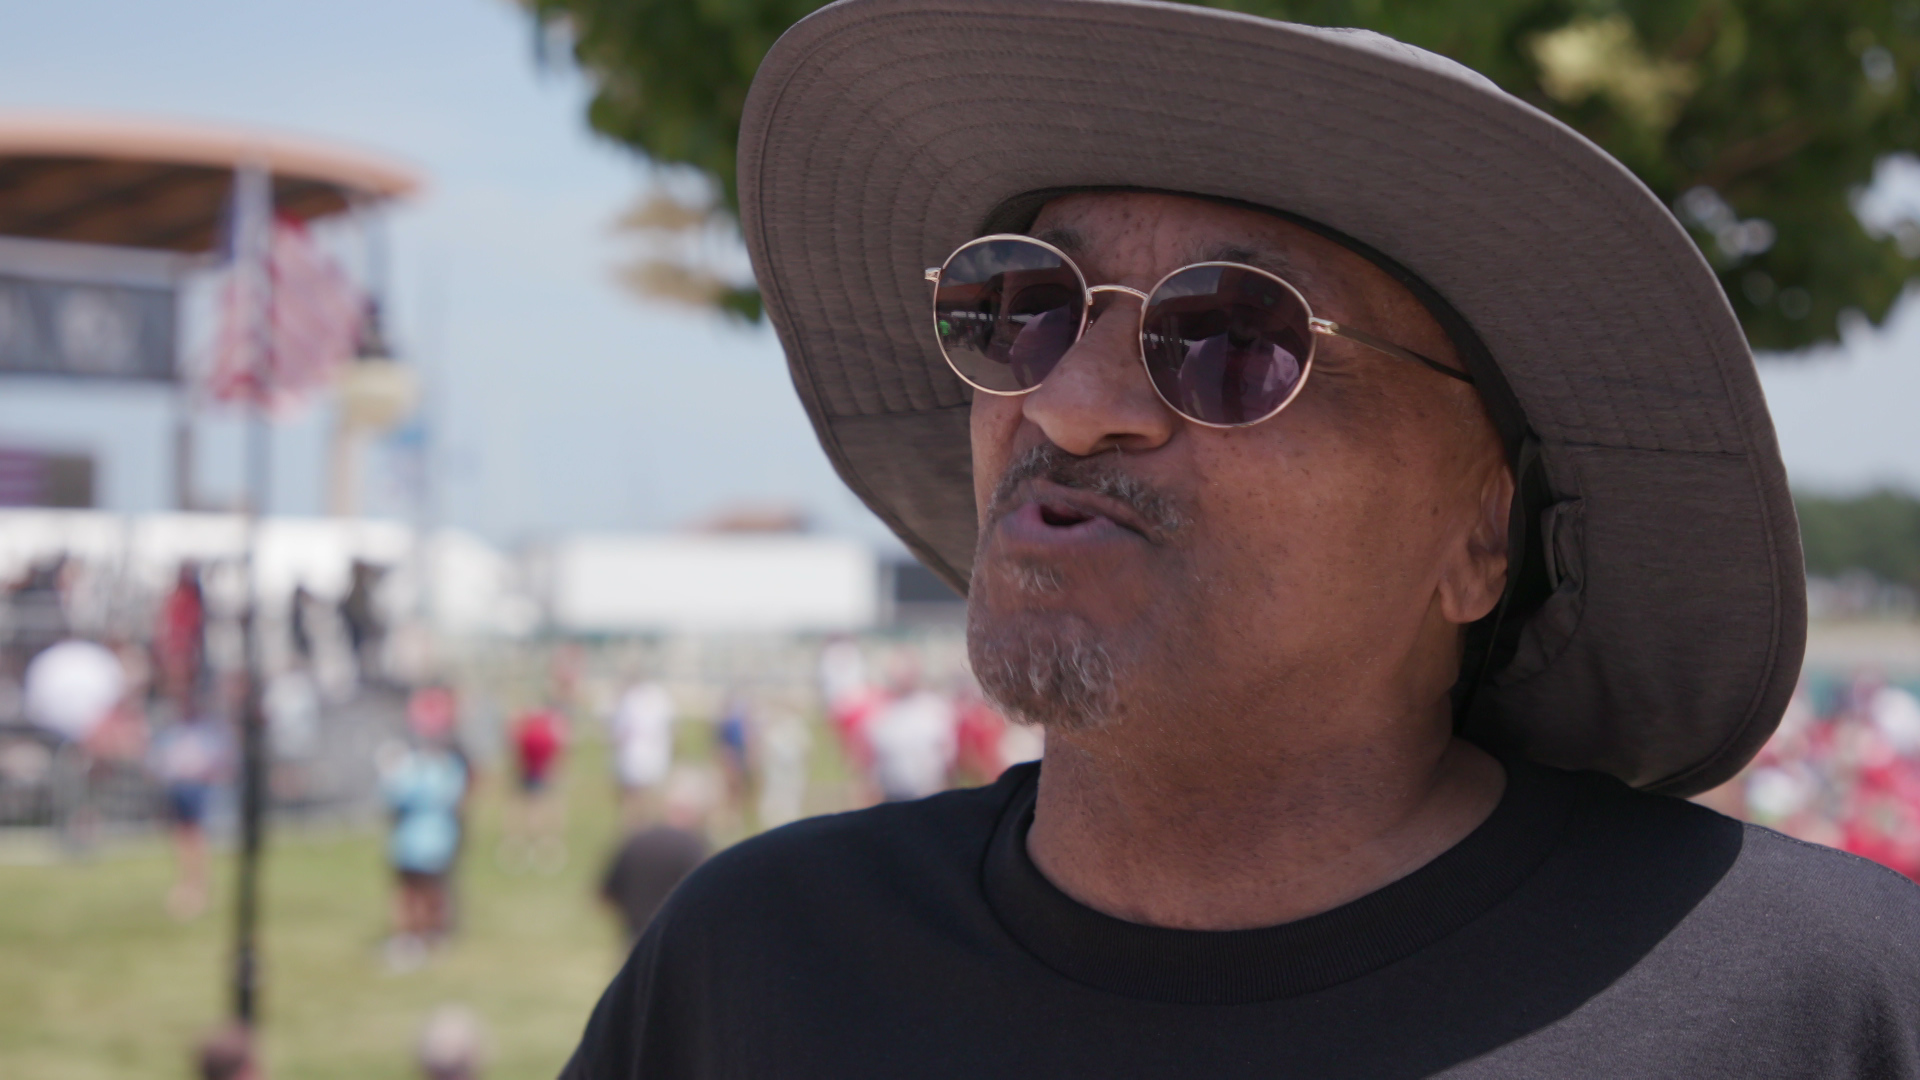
column 1877, row 532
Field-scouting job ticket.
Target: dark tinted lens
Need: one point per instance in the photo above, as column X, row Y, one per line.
column 1226, row 345
column 1006, row 312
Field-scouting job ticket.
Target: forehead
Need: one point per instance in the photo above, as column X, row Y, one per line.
column 1129, row 233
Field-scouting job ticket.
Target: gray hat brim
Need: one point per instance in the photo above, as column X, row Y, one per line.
column 880, row 134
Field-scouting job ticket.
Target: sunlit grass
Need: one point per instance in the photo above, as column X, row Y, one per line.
column 97, row 981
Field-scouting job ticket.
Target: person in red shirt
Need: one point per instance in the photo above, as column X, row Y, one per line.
column 179, row 641
column 978, row 733
column 535, row 835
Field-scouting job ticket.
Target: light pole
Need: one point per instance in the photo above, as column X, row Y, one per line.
column 253, row 225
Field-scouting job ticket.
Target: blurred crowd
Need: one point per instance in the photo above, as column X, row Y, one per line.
column 1843, row 770
column 695, row 758
column 120, row 705
column 451, row 1045
column 150, row 696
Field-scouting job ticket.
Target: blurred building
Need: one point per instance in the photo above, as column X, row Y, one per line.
column 749, row 568
column 589, row 584
column 916, row 596
column 105, row 222
column 46, row 478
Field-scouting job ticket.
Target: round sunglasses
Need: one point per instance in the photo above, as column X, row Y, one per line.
column 1225, row 344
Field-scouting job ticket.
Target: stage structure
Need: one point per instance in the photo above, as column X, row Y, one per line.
column 102, row 218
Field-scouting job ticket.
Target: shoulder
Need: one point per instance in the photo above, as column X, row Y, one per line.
column 1822, row 892
column 1818, row 879
column 1778, row 900
column 779, row 918
column 878, row 856
column 1820, row 931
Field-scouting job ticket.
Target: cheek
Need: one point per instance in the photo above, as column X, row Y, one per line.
column 994, row 424
column 1270, row 524
column 1310, row 520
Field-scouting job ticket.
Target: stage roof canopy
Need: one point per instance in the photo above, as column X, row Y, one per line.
column 165, row 184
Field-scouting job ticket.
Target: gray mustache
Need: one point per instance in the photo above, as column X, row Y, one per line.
column 1099, row 474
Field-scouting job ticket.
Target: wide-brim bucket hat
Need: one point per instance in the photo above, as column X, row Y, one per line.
column 881, row 134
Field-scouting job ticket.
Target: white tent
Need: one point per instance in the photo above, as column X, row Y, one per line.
column 616, row 584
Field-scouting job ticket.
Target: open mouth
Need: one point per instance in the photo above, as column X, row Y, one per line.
column 1057, row 516
column 1054, row 515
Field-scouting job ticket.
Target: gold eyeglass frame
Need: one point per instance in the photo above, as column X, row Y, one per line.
column 1317, row 325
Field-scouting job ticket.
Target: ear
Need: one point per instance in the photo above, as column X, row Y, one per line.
column 1475, row 573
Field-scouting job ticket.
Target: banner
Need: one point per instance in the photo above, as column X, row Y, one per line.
column 86, row 310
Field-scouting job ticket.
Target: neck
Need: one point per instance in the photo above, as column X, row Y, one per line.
column 1229, row 834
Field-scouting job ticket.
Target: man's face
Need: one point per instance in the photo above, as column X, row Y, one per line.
column 1133, row 565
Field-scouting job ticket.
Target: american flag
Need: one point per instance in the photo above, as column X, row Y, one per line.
column 312, row 324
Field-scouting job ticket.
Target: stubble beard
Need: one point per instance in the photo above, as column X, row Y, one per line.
column 1042, row 671
column 1049, row 668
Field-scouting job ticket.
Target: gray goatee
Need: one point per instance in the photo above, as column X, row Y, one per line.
column 1061, row 682
column 1050, row 675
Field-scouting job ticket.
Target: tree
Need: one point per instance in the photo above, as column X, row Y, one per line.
column 1878, row 532
column 1759, row 121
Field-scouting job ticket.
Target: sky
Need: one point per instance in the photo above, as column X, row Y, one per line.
column 561, row 401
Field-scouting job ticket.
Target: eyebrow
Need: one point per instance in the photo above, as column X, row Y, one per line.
column 1066, row 240
column 1273, row 262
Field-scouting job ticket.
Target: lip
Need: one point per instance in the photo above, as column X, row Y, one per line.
column 1052, row 516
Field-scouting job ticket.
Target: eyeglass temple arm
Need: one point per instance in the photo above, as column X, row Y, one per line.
column 1328, row 326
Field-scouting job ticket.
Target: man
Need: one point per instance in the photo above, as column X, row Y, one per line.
column 452, row 1045
column 642, row 733
column 426, row 784
column 914, row 737
column 1369, row 488
column 227, row 1054
column 652, row 860
column 191, row 756
column 534, row 836
column 180, row 639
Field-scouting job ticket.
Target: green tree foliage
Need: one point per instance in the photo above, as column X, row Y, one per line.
column 1878, row 533
column 1759, row 121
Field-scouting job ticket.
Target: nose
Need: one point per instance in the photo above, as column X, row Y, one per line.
column 1097, row 397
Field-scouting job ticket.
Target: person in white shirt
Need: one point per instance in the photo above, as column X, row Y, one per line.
column 914, row 741
column 642, row 731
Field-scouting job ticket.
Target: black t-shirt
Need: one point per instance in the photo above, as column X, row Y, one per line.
column 645, row 870
column 1583, row 930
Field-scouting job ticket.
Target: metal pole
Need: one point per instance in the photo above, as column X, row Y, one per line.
column 253, row 724
column 183, row 497
column 253, row 223
column 426, row 495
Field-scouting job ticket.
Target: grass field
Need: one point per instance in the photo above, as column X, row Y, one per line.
column 96, row 981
